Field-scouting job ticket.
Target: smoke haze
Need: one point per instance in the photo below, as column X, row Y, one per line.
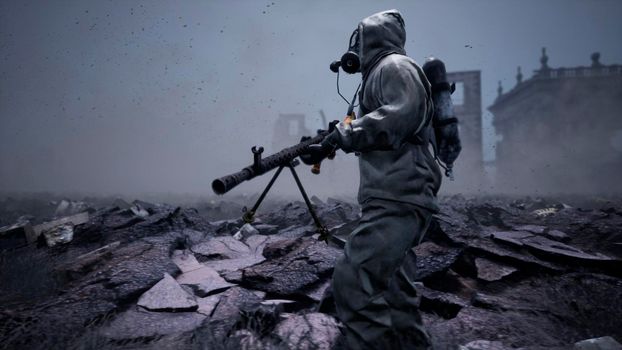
column 163, row 97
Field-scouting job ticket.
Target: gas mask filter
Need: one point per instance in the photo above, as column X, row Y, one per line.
column 350, row 61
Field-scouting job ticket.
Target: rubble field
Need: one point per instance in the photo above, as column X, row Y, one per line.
column 493, row 273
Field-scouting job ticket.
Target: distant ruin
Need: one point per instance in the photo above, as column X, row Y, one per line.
column 561, row 130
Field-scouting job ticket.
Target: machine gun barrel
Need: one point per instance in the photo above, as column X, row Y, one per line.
column 261, row 166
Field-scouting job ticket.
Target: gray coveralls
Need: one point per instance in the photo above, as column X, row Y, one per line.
column 372, row 286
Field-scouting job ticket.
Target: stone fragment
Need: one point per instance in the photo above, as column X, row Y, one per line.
column 74, row 220
column 246, row 230
column 537, row 229
column 446, row 305
column 167, row 295
column 62, row 234
column 280, row 248
column 433, row 259
column 560, row 250
column 222, row 247
column 230, row 265
column 185, row 260
column 208, row 304
column 296, row 231
column 228, row 312
column 557, row 235
column 66, row 208
column 310, row 331
column 317, row 292
column 309, row 263
column 511, row 237
column 204, row 281
column 137, row 324
column 88, row 261
column 121, row 204
column 602, row 343
column 490, row 271
column 266, row 229
column 18, row 234
column 139, row 211
column 484, row 345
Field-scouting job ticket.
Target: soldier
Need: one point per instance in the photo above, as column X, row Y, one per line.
column 373, row 282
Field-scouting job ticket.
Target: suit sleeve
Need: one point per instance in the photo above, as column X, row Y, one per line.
column 402, row 98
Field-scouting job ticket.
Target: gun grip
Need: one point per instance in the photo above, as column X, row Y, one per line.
column 316, row 168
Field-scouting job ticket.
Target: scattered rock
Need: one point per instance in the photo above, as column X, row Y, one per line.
column 491, row 271
column 511, row 237
column 602, row 343
column 223, row 247
column 557, row 235
column 245, row 231
column 553, row 249
column 185, row 260
column 137, row 324
column 207, row 304
column 446, row 305
column 89, row 261
column 433, row 259
column 16, row 235
column 233, row 303
column 289, row 274
column 311, row 331
column 60, row 230
column 537, row 229
column 484, row 345
column 167, row 295
column 204, row 281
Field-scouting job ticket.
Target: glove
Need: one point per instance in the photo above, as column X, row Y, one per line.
column 318, row 152
column 448, row 141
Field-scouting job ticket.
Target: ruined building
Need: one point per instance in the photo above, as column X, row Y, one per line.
column 561, row 130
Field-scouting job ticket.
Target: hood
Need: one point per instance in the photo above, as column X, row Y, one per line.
column 380, row 34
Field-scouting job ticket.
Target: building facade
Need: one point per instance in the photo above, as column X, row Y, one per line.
column 561, row 130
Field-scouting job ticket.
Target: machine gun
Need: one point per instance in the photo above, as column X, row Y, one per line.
column 284, row 158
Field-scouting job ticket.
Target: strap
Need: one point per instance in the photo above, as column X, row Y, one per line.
column 443, row 122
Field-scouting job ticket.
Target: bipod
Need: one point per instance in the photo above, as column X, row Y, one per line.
column 249, row 215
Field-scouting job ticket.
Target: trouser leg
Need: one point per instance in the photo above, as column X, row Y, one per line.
column 374, row 295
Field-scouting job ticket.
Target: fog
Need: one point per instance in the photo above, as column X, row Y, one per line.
column 139, row 97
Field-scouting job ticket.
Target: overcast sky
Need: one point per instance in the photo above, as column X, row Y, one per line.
column 163, row 96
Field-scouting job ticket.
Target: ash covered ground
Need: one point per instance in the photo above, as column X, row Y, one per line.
column 493, row 273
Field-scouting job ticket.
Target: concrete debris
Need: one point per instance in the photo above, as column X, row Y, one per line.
column 208, row 304
column 167, row 295
column 537, row 229
column 185, row 260
column 223, row 247
column 303, row 266
column 557, row 235
column 61, row 234
column 484, row 345
column 204, row 281
column 310, row 331
column 88, row 262
column 50, row 226
column 67, row 208
column 491, row 271
column 16, row 235
column 602, row 343
column 139, row 324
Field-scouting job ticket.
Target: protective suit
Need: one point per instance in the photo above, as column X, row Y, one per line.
column 372, row 285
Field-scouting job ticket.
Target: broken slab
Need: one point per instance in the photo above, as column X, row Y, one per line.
column 16, row 235
column 222, row 247
column 306, row 265
column 554, row 249
column 204, row 281
column 185, row 260
column 315, row 330
column 557, row 235
column 208, row 304
column 491, row 271
column 432, row 259
column 484, row 345
column 602, row 343
column 537, row 229
column 137, row 324
column 167, row 295
column 233, row 303
column 73, row 220
column 89, row 261
column 62, row 234
column 511, row 237
column 446, row 305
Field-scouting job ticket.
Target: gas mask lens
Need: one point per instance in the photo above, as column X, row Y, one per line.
column 350, row 61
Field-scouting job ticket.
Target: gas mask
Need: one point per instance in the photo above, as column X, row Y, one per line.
column 350, row 61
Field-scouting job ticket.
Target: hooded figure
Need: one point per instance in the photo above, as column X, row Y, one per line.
column 372, row 282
